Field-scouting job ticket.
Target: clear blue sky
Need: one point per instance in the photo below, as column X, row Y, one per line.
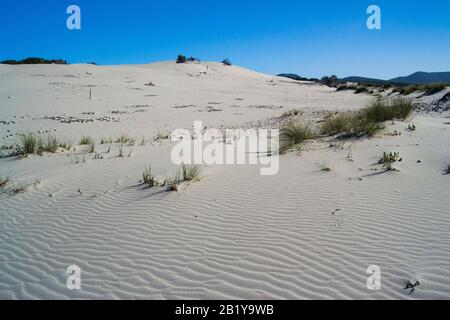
column 310, row 38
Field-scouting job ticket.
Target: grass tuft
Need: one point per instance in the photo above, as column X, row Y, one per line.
column 388, row 159
column 86, row 140
column 188, row 173
column 29, row 143
column 293, row 135
column 367, row 121
column 148, row 178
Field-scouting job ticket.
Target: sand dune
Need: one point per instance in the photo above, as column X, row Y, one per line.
column 301, row 234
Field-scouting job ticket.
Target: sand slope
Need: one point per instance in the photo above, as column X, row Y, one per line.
column 302, row 234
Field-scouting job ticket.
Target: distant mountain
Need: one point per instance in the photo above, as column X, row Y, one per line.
column 415, row 78
column 423, row 78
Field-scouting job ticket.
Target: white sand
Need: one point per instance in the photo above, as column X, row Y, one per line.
column 234, row 234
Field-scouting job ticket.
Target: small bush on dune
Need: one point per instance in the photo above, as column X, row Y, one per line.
column 381, row 110
column 227, row 62
column 188, row 173
column 181, row 59
column 325, row 167
column 361, row 90
column 126, row 140
column 428, row 89
column 29, row 143
column 92, row 147
column 148, row 178
column 293, row 135
column 50, row 145
column 388, row 159
column 350, row 125
column 433, row 88
column 343, row 87
column 85, row 140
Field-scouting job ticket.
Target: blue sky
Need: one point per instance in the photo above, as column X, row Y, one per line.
column 310, row 38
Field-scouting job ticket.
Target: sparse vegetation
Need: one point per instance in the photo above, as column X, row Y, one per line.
column 29, row 143
column 388, row 159
column 126, row 140
column 351, row 124
column 148, row 178
column 331, row 81
column 34, row 60
column 428, row 89
column 181, row 59
column 50, row 145
column 92, row 147
column 293, row 135
column 120, row 154
column 86, row 140
column 325, row 167
column 362, row 90
column 367, row 121
column 161, row 136
column 227, row 62
column 381, row 110
column 344, row 87
column 188, row 173
column 412, row 127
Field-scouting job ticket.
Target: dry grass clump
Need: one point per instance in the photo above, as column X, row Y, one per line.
column 126, row 140
column 51, row 144
column 148, row 178
column 86, row 140
column 29, row 143
column 383, row 110
column 325, row 167
column 185, row 173
column 188, row 173
column 367, row 121
column 428, row 89
column 293, row 135
column 161, row 136
column 344, row 87
column 388, row 159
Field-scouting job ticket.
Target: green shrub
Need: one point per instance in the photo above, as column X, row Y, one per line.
column 181, row 59
column 388, row 159
column 350, row 125
column 227, row 62
column 381, row 110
